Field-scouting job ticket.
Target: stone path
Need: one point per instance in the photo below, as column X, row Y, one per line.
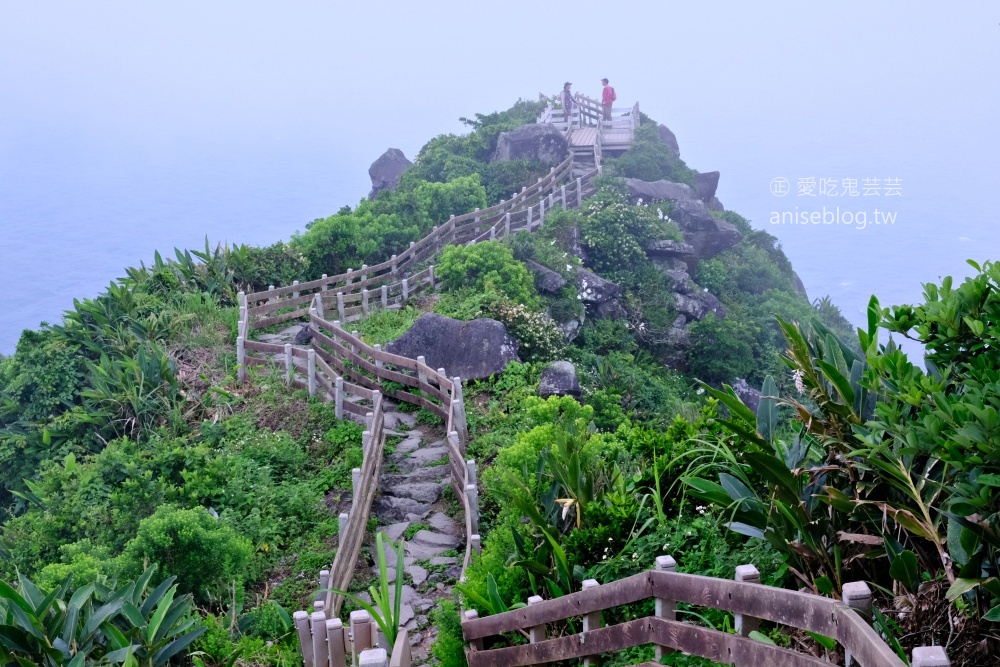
column 410, row 506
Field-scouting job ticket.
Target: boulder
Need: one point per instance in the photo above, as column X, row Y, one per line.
column 471, row 350
column 559, row 379
column 546, row 280
column 304, row 335
column 543, row 142
column 675, row 345
column 668, row 137
column 658, row 190
column 705, row 185
column 716, row 205
column 595, row 289
column 681, row 280
column 571, row 328
column 668, row 248
column 747, row 394
column 611, row 310
column 706, row 234
column 696, row 304
column 386, row 171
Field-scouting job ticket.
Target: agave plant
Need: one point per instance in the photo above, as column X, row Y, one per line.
column 95, row 625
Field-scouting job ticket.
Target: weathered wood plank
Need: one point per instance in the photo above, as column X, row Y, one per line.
column 624, row 591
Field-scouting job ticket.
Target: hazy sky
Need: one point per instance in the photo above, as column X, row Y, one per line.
column 320, row 89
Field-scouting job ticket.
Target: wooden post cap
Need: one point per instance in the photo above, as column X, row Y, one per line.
column 666, row 564
column 747, row 573
column 930, row 656
column 373, row 657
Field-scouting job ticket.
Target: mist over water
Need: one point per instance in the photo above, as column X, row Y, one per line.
column 128, row 128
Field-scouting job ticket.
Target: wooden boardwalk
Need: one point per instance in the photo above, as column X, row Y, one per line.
column 588, row 133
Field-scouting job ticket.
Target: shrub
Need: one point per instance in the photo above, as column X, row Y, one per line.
column 192, row 545
column 720, row 349
column 487, row 266
column 649, row 159
column 538, row 336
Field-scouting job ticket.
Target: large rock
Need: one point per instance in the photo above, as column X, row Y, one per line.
column 559, row 379
column 595, row 289
column 668, row 248
column 673, row 352
column 716, row 205
column 747, row 394
column 658, row 190
column 386, row 171
column 681, row 281
column 546, row 280
column 471, row 350
column 707, row 234
column 799, row 285
column 543, row 142
column 696, row 304
column 705, row 185
column 668, row 137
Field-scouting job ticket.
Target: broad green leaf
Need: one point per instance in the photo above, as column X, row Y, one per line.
column 773, row 470
column 161, row 611
column 8, row 593
column 961, row 587
column 905, row 569
column 494, row 593
column 745, row 529
column 767, row 410
column 993, row 615
column 154, row 597
column 756, row 635
column 823, row 585
column 101, row 614
column 826, row 642
column 163, row 656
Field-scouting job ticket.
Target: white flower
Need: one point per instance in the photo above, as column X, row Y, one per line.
column 701, row 390
column 797, row 378
column 552, row 242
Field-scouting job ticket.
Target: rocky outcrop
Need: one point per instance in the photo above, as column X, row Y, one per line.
column 559, row 379
column 681, row 281
column 658, row 190
column 799, row 285
column 705, row 185
column 707, row 235
column 697, row 304
column 542, row 142
column 675, row 345
column 747, row 394
column 666, row 248
column 386, row 171
column 546, row 280
column 716, row 205
column 595, row 289
column 670, row 139
column 471, row 350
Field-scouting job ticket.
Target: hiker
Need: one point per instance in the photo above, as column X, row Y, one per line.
column 566, row 99
column 608, row 97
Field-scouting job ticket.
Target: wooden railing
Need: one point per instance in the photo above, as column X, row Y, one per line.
column 389, row 282
column 745, row 597
column 590, row 112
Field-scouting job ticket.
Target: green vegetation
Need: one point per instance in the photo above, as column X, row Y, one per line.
column 131, row 460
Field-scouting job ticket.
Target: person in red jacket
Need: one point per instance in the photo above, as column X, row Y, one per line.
column 607, row 98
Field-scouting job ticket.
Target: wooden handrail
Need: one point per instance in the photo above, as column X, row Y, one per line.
column 813, row 613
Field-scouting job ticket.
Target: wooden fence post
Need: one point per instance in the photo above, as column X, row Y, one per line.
column 506, row 224
column 312, row 372
column 241, row 360
column 591, row 621
column 579, row 192
column 493, row 233
column 421, row 376
column 385, row 296
column 355, row 484
column 320, row 652
column 325, row 285
column 529, row 218
column 340, row 306
column 406, row 289
column 744, row 625
column 472, row 493
column 665, row 608
column 364, row 302
column 354, row 334
column 301, row 620
column 477, row 544
column 463, row 426
column 373, row 657
column 338, row 398
column 364, row 274
column 324, row 583
column 349, row 277
column 335, row 642
column 475, row 644
column 393, row 268
column 929, row 656
column 430, row 277
column 470, row 470
column 342, row 528
column 536, row 633
column 858, row 597
column 317, row 305
column 361, row 631
column 562, row 196
column 289, row 364
column 270, row 297
column 378, row 362
column 541, row 211
column 295, row 293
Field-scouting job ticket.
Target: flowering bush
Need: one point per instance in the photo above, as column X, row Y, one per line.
column 539, row 337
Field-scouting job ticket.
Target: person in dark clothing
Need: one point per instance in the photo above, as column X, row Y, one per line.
column 566, row 99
